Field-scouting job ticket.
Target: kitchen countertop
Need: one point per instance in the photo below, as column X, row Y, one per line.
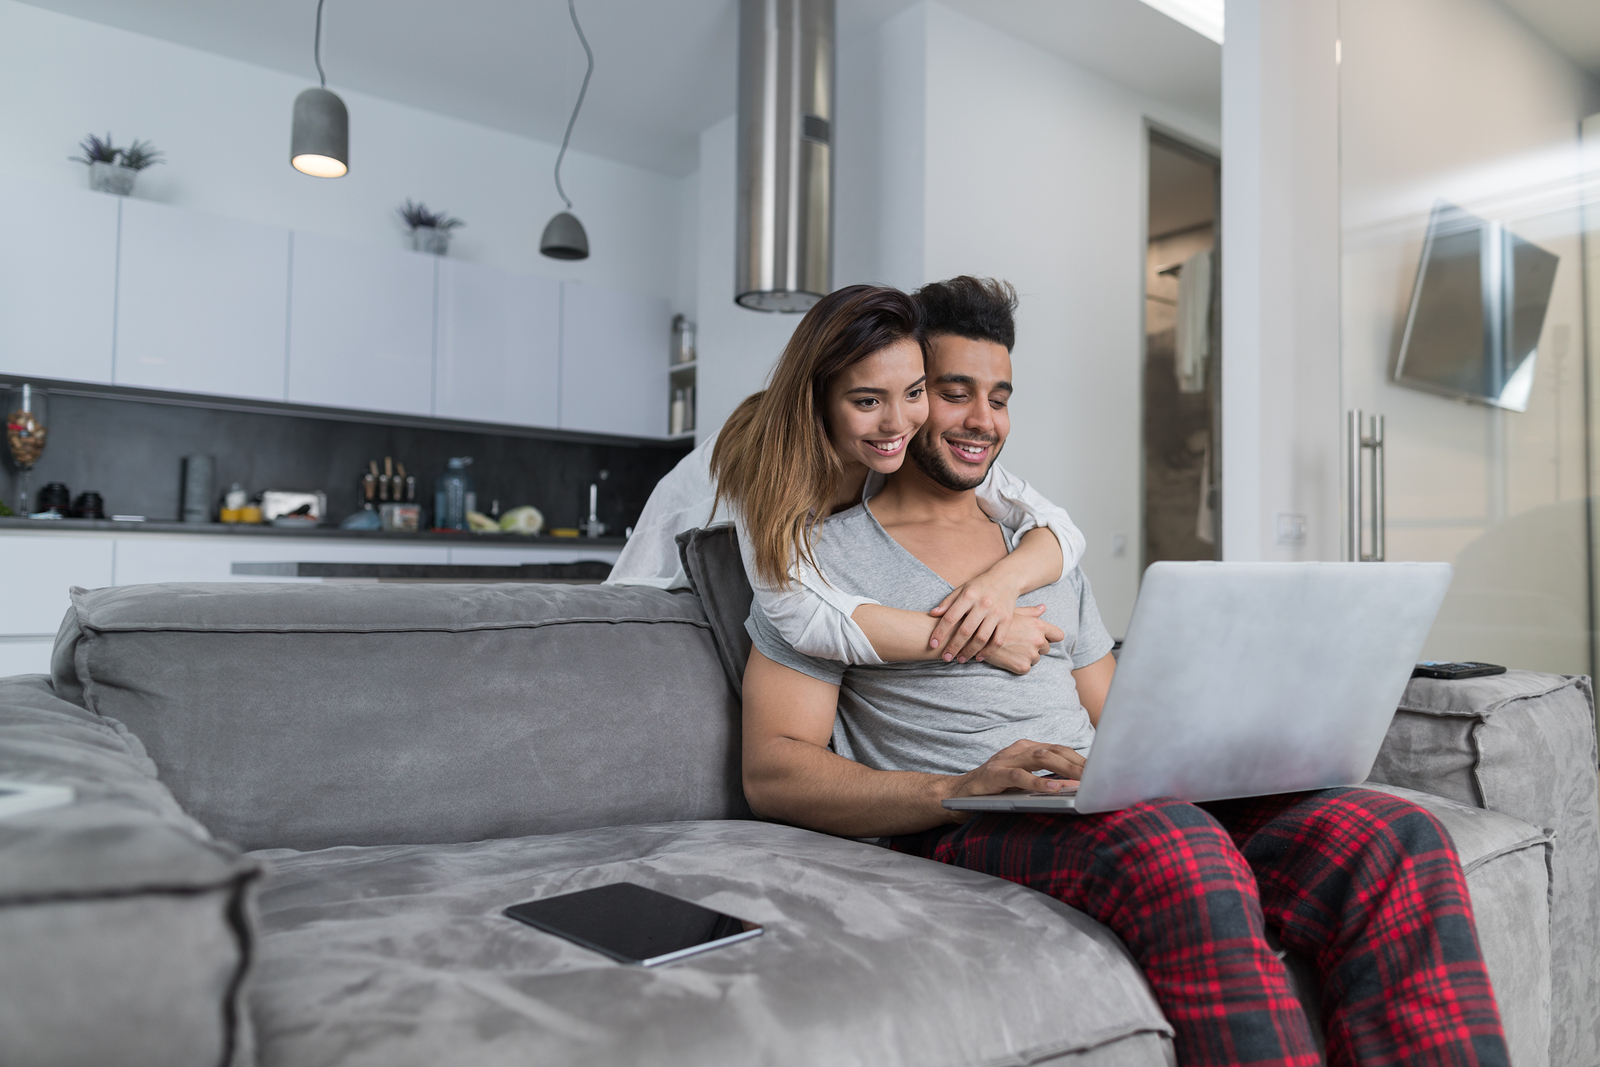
column 501, row 540
column 576, row 573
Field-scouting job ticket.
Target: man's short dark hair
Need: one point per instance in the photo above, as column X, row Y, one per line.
column 979, row 309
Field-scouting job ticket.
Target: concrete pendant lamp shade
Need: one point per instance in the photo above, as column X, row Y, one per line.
column 563, row 235
column 320, row 144
column 564, row 238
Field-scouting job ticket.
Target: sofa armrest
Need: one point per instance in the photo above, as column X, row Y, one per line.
column 1523, row 744
column 128, row 931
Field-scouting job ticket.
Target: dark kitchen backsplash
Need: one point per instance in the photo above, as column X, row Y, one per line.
column 130, row 451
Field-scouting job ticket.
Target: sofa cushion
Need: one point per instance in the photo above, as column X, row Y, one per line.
column 306, row 715
column 398, row 955
column 1522, row 743
column 715, row 568
column 127, row 932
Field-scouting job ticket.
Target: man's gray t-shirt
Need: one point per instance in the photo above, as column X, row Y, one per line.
column 937, row 717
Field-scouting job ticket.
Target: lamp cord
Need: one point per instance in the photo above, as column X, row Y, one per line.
column 572, row 9
column 316, row 50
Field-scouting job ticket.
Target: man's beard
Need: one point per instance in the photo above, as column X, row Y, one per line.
column 925, row 452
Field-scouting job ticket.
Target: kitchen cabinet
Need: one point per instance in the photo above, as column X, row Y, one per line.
column 499, row 346
column 40, row 569
column 613, row 361
column 361, row 326
column 202, row 302
column 58, row 286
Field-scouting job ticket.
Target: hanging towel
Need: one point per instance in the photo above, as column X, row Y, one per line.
column 1205, row 522
column 1194, row 323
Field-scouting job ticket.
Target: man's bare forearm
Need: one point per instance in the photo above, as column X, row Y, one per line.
column 805, row 784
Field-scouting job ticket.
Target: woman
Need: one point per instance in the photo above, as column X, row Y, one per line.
column 843, row 401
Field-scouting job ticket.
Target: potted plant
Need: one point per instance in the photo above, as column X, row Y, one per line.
column 430, row 230
column 113, row 169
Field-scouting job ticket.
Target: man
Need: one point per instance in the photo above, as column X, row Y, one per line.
column 1365, row 885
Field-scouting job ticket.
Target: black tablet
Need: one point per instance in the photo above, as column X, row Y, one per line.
column 632, row 924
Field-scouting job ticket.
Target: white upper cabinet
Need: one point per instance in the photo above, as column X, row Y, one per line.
column 499, row 346
column 58, row 286
column 361, row 328
column 202, row 302
column 613, row 361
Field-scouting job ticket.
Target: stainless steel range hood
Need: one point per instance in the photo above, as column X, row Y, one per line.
column 785, row 230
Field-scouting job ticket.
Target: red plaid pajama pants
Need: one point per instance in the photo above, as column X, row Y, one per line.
column 1365, row 885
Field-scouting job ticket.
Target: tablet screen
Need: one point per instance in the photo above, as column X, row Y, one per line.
column 633, row 924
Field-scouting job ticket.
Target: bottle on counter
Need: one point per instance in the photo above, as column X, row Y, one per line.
column 453, row 496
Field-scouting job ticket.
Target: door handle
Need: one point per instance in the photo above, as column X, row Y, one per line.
column 1361, row 439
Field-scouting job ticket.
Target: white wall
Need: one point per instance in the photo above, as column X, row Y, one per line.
column 737, row 346
column 1280, row 278
column 225, row 127
column 880, row 169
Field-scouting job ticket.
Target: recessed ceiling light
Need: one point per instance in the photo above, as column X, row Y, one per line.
column 1202, row 16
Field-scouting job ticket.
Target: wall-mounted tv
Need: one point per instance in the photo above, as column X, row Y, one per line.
column 1476, row 312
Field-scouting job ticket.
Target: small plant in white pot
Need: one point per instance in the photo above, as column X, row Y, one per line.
column 113, row 169
column 430, row 230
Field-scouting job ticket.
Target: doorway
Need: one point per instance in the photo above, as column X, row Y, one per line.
column 1182, row 394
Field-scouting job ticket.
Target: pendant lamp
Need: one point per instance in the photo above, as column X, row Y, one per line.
column 320, row 143
column 563, row 235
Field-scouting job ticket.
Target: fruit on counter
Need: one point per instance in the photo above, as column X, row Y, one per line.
column 523, row 520
column 478, row 522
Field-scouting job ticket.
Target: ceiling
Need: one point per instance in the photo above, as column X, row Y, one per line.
column 1124, row 41
column 664, row 71
column 1571, row 26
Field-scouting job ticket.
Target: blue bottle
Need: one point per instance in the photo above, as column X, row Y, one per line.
column 453, row 496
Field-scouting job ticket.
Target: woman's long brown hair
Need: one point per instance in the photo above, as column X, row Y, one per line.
column 773, row 458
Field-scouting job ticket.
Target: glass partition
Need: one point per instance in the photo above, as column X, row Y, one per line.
column 1464, row 321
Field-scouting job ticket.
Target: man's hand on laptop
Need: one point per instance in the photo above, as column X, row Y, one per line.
column 1015, row 768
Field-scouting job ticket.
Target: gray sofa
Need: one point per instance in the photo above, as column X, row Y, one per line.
column 301, row 808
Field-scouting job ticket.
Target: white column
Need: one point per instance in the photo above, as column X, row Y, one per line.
column 1280, row 279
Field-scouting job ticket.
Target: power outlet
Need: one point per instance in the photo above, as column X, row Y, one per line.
column 1291, row 529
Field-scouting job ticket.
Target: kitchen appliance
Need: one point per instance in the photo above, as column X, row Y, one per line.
column 199, row 487
column 89, row 506
column 784, row 257
column 279, row 503
column 55, row 499
column 405, row 518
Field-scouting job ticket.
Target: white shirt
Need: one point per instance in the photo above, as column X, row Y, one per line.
column 813, row 616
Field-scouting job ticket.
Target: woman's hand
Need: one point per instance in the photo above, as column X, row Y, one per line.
column 974, row 616
column 1027, row 642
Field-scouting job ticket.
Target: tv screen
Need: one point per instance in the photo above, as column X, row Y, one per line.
column 1476, row 311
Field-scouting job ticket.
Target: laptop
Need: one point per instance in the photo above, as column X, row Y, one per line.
column 1248, row 679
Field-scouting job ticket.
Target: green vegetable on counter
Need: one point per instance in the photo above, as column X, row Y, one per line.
column 522, row 520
